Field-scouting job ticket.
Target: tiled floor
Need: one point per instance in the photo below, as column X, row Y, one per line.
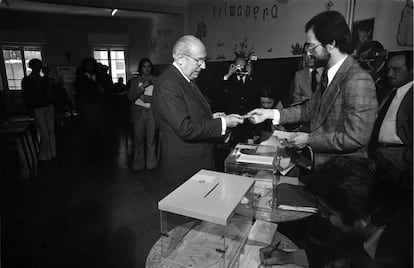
column 81, row 213
column 78, row 213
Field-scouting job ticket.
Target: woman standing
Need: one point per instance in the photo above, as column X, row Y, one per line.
column 37, row 96
column 140, row 94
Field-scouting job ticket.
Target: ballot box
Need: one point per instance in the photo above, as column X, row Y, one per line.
column 205, row 222
column 258, row 161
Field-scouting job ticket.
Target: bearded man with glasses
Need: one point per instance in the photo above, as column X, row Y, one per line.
column 343, row 108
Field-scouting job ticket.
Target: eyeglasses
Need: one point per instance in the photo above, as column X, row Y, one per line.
column 312, row 47
column 199, row 61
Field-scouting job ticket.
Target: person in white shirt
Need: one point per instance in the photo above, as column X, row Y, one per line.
column 343, row 108
column 392, row 137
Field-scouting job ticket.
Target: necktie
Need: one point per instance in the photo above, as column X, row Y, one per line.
column 240, row 78
column 324, row 80
column 381, row 116
column 314, row 81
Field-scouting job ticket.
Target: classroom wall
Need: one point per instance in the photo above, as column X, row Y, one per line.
column 67, row 39
column 270, row 29
column 64, row 34
column 394, row 24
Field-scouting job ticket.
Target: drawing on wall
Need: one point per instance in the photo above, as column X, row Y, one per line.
column 201, row 30
column 241, row 49
column 296, row 49
column 362, row 33
column 405, row 27
column 154, row 44
column 329, row 4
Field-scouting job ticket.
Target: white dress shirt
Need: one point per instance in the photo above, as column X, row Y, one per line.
column 388, row 130
column 371, row 244
column 223, row 120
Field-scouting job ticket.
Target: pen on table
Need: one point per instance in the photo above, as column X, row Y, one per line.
column 211, row 190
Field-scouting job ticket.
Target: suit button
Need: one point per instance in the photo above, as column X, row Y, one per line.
column 242, row 98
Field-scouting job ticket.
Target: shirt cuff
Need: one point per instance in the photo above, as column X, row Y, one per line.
column 276, row 117
column 223, row 126
column 225, row 78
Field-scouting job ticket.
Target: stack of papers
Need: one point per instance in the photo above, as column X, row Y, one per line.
column 284, row 135
column 263, row 232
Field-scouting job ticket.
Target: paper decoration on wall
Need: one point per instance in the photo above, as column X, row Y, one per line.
column 269, row 50
column 296, row 49
column 329, row 4
column 154, row 44
column 220, row 57
column 405, row 27
column 201, row 30
column 241, row 49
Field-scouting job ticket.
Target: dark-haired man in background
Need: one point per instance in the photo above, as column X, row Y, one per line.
column 343, row 108
column 356, row 202
column 392, row 137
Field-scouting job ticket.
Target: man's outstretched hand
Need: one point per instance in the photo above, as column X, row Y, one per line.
column 259, row 115
column 233, row 120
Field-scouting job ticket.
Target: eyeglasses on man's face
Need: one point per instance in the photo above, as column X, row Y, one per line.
column 199, row 61
column 311, row 47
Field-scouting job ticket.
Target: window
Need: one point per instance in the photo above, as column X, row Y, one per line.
column 16, row 62
column 114, row 59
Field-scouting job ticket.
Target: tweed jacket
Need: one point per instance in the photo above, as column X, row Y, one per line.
column 187, row 126
column 342, row 118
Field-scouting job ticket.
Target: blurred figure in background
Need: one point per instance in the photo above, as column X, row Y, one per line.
column 241, row 93
column 139, row 92
column 122, row 101
column 91, row 105
column 37, row 93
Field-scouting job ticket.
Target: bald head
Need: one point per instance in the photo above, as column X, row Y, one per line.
column 189, row 54
column 186, row 45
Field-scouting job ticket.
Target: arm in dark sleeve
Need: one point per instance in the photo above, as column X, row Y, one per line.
column 172, row 107
column 27, row 94
column 134, row 91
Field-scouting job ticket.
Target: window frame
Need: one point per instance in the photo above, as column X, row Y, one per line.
column 22, row 48
column 108, row 49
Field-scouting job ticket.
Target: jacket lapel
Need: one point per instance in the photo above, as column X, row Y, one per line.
column 402, row 117
column 191, row 89
column 327, row 99
column 196, row 91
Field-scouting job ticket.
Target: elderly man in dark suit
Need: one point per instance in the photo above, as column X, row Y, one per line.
column 187, row 125
column 392, row 137
column 343, row 108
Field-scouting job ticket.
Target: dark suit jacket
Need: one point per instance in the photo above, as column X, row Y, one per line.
column 240, row 99
column 405, row 124
column 186, row 124
column 342, row 118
